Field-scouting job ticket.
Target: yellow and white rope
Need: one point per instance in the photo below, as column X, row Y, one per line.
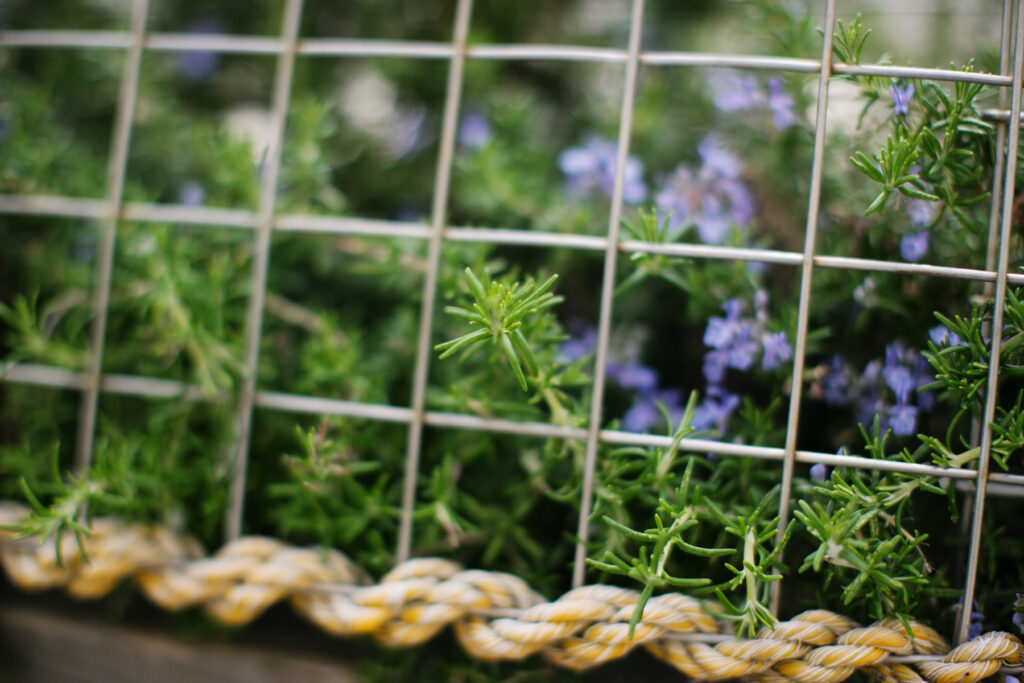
column 495, row 616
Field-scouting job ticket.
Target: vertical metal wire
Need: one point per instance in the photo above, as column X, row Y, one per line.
column 806, row 279
column 607, row 292
column 118, row 163
column 1005, row 48
column 992, row 386
column 438, row 217
column 261, row 262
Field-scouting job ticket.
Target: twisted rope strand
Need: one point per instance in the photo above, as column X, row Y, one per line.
column 495, row 616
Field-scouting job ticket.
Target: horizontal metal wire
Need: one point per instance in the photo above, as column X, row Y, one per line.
column 153, row 387
column 71, row 207
column 357, row 47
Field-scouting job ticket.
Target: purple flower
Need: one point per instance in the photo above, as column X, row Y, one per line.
column 976, row 619
column 903, row 419
column 921, row 211
column 641, row 416
column 712, row 199
column 719, row 332
column 718, row 161
column 836, row 383
column 5, row 128
column 942, row 335
column 716, row 408
column 644, row 412
column 819, row 472
column 901, row 96
column 776, row 350
column 899, row 380
column 896, row 373
column 732, row 92
column 715, row 364
column 1018, row 620
column 199, row 65
column 582, row 346
column 904, row 373
column 634, row 375
column 191, row 193
column 914, row 246
column 761, row 303
column 475, row 129
column 743, row 348
column 592, row 167
column 781, row 105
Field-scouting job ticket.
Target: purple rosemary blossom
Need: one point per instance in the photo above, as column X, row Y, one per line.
column 896, row 373
column 776, row 350
column 819, row 472
column 914, row 246
column 890, row 391
column 591, row 167
column 641, row 416
column 714, row 411
column 977, row 619
column 836, row 386
column 743, row 348
column 575, row 348
column 900, row 378
column 634, row 375
column 901, row 96
column 942, row 335
column 903, row 419
column 644, row 413
column 197, row 66
column 475, row 129
column 781, row 105
column 713, row 198
column 761, row 304
column 735, row 342
column 732, row 341
column 718, row 161
column 733, row 92
column 921, row 212
column 191, row 193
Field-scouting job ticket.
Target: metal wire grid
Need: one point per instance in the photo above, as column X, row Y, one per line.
column 265, row 220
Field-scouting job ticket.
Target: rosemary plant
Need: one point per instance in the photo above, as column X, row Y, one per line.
column 700, row 348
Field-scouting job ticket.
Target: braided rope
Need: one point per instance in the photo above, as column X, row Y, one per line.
column 495, row 616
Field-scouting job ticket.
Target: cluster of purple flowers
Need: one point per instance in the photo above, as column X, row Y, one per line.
column 886, row 388
column 713, row 198
column 736, row 342
column 591, row 167
column 734, row 92
column 632, row 375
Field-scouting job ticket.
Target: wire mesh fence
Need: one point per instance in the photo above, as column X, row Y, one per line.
column 266, row 219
